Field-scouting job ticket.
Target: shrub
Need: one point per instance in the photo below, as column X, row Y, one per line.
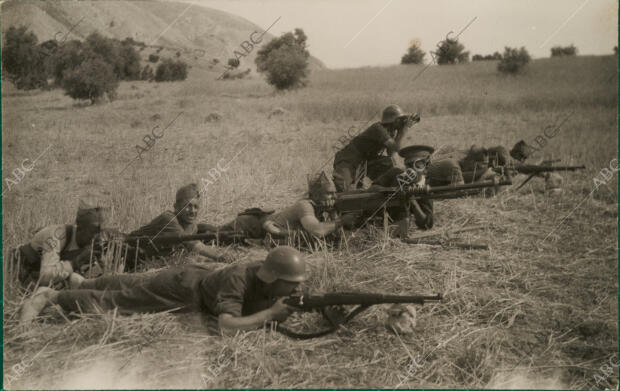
column 90, row 80
column 559, row 51
column 170, row 70
column 153, row 58
column 22, row 59
column 513, row 61
column 451, row 51
column 233, row 63
column 285, row 60
column 414, row 55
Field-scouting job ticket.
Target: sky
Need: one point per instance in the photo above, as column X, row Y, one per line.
column 357, row 33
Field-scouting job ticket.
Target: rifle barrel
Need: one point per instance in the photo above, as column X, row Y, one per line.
column 173, row 239
column 345, row 298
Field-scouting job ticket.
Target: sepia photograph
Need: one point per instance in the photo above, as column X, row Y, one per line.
column 296, row 194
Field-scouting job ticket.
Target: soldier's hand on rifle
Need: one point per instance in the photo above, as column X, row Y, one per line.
column 348, row 220
column 281, row 311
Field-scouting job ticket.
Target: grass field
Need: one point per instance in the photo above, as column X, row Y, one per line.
column 529, row 313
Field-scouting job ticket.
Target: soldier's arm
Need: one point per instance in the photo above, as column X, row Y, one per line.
column 51, row 240
column 317, row 228
column 277, row 312
column 204, row 250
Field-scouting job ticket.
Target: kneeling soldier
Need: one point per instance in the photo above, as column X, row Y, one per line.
column 231, row 293
column 369, row 145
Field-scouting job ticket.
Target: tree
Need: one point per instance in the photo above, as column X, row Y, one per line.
column 513, row 61
column 284, row 60
column 414, row 55
column 450, row 52
column 90, row 80
column 66, row 57
column 559, row 51
column 124, row 59
column 170, row 70
column 22, row 60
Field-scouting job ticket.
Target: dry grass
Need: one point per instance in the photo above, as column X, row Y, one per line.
column 524, row 313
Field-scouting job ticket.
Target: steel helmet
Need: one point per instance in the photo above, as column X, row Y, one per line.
column 390, row 114
column 284, row 263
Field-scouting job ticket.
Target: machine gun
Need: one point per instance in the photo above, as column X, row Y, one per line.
column 307, row 303
column 375, row 198
column 533, row 170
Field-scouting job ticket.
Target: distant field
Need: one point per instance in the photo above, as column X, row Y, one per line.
column 525, row 314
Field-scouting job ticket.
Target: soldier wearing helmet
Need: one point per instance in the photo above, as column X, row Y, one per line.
column 232, row 293
column 369, row 145
column 417, row 158
column 302, row 216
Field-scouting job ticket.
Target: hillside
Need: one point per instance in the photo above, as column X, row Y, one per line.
column 207, row 33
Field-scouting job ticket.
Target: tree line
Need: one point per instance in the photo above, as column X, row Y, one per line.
column 86, row 70
column 451, row 51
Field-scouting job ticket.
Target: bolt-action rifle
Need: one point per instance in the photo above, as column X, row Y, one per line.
column 307, row 303
column 533, row 170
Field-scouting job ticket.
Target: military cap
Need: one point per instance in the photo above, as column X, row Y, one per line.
column 320, row 184
column 187, row 193
column 91, row 210
column 416, row 152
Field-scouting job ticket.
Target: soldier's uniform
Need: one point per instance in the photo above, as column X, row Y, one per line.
column 237, row 290
column 53, row 253
column 366, row 148
column 166, row 223
column 453, row 167
column 412, row 155
column 189, row 288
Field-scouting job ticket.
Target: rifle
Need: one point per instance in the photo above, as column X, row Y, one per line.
column 373, row 199
column 306, row 303
column 170, row 240
column 533, row 170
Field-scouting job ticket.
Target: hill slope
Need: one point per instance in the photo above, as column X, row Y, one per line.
column 170, row 25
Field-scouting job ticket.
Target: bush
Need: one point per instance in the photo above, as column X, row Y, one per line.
column 450, row 52
column 153, row 58
column 559, row 51
column 170, row 70
column 233, row 63
column 414, row 55
column 513, row 61
column 22, row 60
column 90, row 80
column 285, row 60
column 494, row 56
